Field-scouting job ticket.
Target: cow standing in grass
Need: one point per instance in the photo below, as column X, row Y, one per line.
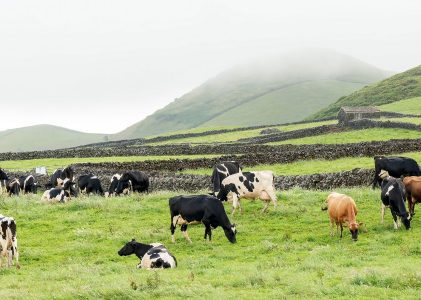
column 342, row 209
column 8, row 241
column 90, row 184
column 151, row 256
column 28, row 184
column 13, row 187
column 222, row 171
column 413, row 192
column 248, row 185
column 396, row 166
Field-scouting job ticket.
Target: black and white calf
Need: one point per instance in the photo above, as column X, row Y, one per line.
column 222, row 171
column 134, row 181
column 28, row 184
column 90, row 184
column 8, row 241
column 3, row 180
column 393, row 196
column 248, row 185
column 151, row 256
column 61, row 194
column 13, row 187
column 196, row 209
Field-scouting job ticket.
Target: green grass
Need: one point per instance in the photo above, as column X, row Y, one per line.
column 69, row 251
column 407, row 106
column 355, row 136
column 53, row 163
column 413, row 120
column 316, row 166
column 236, row 135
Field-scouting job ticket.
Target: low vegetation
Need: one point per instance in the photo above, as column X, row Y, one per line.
column 407, row 106
column 70, row 251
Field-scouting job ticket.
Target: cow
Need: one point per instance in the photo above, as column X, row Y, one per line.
column 28, row 184
column 60, row 194
column 133, row 181
column 248, row 185
column 393, row 196
column 151, row 256
column 195, row 209
column 90, row 184
column 3, row 179
column 58, row 177
column 13, row 187
column 397, row 166
column 113, row 185
column 8, row 241
column 222, row 171
column 342, row 209
column 413, row 192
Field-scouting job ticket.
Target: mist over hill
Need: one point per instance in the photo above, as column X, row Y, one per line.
column 272, row 90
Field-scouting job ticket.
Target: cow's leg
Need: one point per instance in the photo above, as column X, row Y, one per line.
column 395, row 224
column 235, row 203
column 16, row 253
column 332, row 232
column 382, row 212
column 411, row 207
column 185, row 234
column 9, row 258
column 173, row 226
column 266, row 205
column 342, row 229
column 272, row 196
column 208, row 231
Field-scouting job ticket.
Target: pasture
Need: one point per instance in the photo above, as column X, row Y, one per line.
column 69, row 251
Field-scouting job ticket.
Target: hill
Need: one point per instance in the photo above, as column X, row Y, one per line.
column 401, row 86
column 272, row 90
column 44, row 137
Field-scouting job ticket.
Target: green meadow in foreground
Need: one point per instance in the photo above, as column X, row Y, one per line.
column 69, row 251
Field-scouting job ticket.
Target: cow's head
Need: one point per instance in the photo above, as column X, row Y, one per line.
column 231, row 233
column 123, row 186
column 406, row 220
column 128, row 249
column 225, row 190
column 353, row 228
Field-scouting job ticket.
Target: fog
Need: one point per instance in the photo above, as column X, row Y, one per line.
column 100, row 66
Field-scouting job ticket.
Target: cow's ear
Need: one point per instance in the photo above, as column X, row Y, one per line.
column 133, row 240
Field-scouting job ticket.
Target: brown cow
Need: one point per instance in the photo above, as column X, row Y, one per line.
column 342, row 209
column 413, row 192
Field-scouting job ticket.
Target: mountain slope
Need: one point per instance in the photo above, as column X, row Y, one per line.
column 323, row 76
column 44, row 137
column 401, row 86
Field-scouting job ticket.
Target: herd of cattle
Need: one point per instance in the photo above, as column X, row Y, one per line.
column 399, row 178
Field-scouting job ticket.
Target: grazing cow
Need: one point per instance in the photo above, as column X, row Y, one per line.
column 397, row 166
column 133, row 181
column 222, row 171
column 3, row 180
column 61, row 194
column 8, row 241
column 151, row 256
column 59, row 176
column 393, row 196
column 28, row 184
column 413, row 192
column 90, row 184
column 194, row 209
column 248, row 185
column 13, row 187
column 113, row 185
column 342, row 209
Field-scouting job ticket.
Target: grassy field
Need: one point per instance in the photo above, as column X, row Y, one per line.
column 407, row 106
column 355, row 136
column 306, row 167
column 414, row 120
column 236, row 135
column 53, row 163
column 69, row 251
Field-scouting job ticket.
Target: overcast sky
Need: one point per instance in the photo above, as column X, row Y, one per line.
column 100, row 66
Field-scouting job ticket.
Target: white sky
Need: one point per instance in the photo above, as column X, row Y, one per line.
column 100, row 66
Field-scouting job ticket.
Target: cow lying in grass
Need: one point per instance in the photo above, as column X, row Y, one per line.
column 151, row 256
column 8, row 241
column 59, row 194
column 342, row 209
column 248, row 185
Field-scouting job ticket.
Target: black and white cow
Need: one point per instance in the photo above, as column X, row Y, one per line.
column 151, row 256
column 248, row 185
column 133, row 181
column 28, row 184
column 396, row 166
column 3, row 179
column 59, row 194
column 196, row 209
column 393, row 196
column 113, row 185
column 222, row 171
column 13, row 187
column 8, row 241
column 90, row 184
column 60, row 175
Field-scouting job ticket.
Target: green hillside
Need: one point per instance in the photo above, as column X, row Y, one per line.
column 398, row 87
column 407, row 106
column 44, row 137
column 272, row 90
